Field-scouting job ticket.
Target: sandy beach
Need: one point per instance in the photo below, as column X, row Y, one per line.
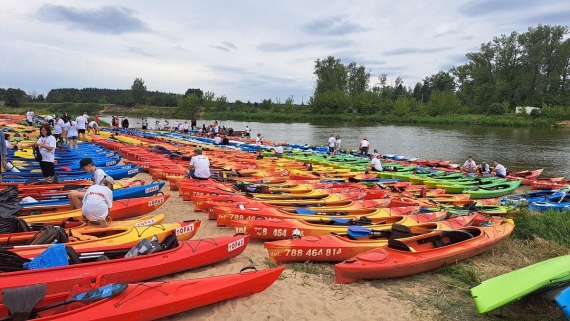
column 296, row 295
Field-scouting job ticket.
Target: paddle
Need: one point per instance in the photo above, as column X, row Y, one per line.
column 21, row 301
column 564, row 192
column 359, row 231
column 304, row 211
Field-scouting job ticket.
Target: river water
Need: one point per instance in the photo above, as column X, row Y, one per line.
column 516, row 148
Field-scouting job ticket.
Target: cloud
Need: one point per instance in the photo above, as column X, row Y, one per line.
column 225, row 46
column 547, row 18
column 334, row 26
column 485, row 7
column 106, row 20
column 411, row 50
column 141, row 52
column 179, row 48
column 276, row 47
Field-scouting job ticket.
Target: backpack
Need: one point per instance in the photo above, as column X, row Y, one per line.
column 10, row 261
column 49, row 234
column 13, row 225
column 37, row 154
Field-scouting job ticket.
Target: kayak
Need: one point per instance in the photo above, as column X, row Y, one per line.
column 494, row 190
column 225, row 216
column 492, row 294
column 279, row 229
column 337, row 248
column 421, row 253
column 121, row 209
column 187, row 255
column 24, row 237
column 112, row 236
column 147, row 300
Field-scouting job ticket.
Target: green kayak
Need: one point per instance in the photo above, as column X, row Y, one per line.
column 459, row 187
column 493, row 190
column 498, row 291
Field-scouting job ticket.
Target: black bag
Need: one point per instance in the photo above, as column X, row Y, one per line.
column 37, row 154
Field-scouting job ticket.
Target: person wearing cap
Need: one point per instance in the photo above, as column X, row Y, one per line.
column 199, row 166
column 76, row 197
column 59, row 129
column 97, row 201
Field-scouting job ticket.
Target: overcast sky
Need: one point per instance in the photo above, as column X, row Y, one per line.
column 247, row 50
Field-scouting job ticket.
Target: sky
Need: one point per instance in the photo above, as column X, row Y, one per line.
column 246, row 50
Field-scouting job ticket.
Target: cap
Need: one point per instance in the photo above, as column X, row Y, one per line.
column 198, row 151
column 84, row 162
column 107, row 180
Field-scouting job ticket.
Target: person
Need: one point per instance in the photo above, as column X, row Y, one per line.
column 469, row 166
column 363, row 147
column 97, row 118
column 193, row 123
column 258, row 141
column 375, row 153
column 375, row 164
column 76, row 197
column 278, row 151
column 204, row 129
column 499, row 170
column 247, row 131
column 94, row 126
column 30, row 117
column 225, row 140
column 483, row 169
column 49, row 120
column 144, row 124
column 199, row 166
column 81, row 122
column 72, row 134
column 97, row 201
column 332, row 142
column 46, row 143
column 217, row 139
column 3, row 152
column 66, row 118
column 125, row 123
column 185, row 127
column 59, row 130
column 337, row 145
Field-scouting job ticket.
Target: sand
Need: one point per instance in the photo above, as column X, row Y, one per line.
column 295, row 296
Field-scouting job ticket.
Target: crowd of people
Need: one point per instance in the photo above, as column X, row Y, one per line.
column 483, row 169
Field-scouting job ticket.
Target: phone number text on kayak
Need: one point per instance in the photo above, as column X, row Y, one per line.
column 309, row 252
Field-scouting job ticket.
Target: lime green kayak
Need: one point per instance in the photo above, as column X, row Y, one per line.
column 498, row 291
column 459, row 187
column 494, row 190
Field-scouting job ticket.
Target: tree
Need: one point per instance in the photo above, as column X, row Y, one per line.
column 138, row 91
column 331, row 75
column 402, row 106
column 357, row 79
column 208, row 100
column 194, row 91
column 188, row 106
column 13, row 97
column 221, row 103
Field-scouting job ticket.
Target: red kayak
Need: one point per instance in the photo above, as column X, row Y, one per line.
column 188, row 255
column 141, row 301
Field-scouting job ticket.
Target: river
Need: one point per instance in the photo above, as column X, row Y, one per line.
column 516, row 148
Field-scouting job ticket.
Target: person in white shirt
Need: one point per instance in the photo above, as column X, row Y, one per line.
column 59, row 129
column 30, row 117
column 375, row 164
column 72, row 133
column 93, row 126
column 76, row 197
column 81, row 126
column 247, row 131
column 47, row 143
column 364, row 145
column 469, row 166
column 332, row 143
column 49, row 120
column 217, row 140
column 499, row 170
column 97, row 201
column 199, row 166
column 278, row 151
column 185, row 127
column 258, row 140
column 337, row 145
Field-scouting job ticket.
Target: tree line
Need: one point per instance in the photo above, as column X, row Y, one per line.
column 526, row 69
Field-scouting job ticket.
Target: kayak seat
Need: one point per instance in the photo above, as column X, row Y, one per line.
column 399, row 245
column 399, row 231
column 456, row 236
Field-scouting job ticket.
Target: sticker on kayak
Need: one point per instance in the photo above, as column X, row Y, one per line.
column 241, row 207
column 132, row 171
column 235, row 245
column 151, row 189
column 111, row 163
column 185, row 229
column 156, row 201
column 151, row 221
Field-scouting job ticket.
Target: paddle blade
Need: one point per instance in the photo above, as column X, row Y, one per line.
column 340, row 221
column 358, row 231
column 104, row 292
column 304, row 211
